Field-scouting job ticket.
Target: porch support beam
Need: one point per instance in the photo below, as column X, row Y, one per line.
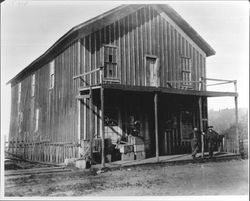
column 79, row 125
column 91, row 122
column 102, row 117
column 201, row 127
column 77, row 84
column 156, row 126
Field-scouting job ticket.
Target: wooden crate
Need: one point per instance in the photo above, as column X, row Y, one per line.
column 140, row 155
column 139, row 147
column 128, row 157
column 134, row 140
column 126, row 148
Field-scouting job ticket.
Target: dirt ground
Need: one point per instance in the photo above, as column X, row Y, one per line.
column 212, row 178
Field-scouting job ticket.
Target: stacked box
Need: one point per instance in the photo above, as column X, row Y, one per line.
column 140, row 155
column 70, row 161
column 128, row 156
column 108, row 158
column 139, row 147
column 126, row 148
column 134, row 140
column 81, row 164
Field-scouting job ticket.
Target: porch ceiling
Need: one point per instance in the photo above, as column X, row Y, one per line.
column 169, row 90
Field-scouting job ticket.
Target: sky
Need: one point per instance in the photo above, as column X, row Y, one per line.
column 29, row 28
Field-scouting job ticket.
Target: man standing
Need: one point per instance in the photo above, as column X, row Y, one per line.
column 194, row 142
column 211, row 137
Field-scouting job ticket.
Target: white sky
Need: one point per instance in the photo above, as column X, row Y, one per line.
column 29, row 28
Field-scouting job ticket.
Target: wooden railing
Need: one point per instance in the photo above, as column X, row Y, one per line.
column 202, row 83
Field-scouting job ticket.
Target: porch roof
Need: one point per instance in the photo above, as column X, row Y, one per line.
column 164, row 90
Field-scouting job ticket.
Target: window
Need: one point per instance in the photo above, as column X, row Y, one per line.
column 110, row 62
column 20, row 120
column 186, row 70
column 152, row 76
column 37, row 120
column 33, row 85
column 52, row 74
column 20, row 114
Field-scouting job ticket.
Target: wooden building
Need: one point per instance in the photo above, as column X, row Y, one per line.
column 134, row 63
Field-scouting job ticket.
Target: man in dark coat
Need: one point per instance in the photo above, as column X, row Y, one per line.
column 212, row 137
column 194, row 142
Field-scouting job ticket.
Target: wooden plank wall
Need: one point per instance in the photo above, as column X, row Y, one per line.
column 57, row 106
column 141, row 33
column 14, row 112
column 144, row 32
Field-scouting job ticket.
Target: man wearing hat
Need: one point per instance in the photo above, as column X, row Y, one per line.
column 211, row 137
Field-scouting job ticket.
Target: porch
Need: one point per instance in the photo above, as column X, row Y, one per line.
column 178, row 136
column 171, row 160
column 164, row 124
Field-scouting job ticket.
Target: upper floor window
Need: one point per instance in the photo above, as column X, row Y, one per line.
column 37, row 120
column 33, row 85
column 19, row 94
column 110, row 62
column 186, row 63
column 52, row 74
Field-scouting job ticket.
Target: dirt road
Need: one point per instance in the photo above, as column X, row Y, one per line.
column 213, row 178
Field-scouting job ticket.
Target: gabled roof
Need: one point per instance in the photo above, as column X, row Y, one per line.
column 103, row 20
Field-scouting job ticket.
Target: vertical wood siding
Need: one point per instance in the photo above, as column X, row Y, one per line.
column 144, row 32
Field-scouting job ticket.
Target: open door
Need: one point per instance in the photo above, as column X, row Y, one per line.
column 186, row 125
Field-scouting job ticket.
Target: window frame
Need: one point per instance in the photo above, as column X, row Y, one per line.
column 157, row 69
column 114, row 63
column 33, row 84
column 19, row 94
column 52, row 74
column 186, row 70
column 37, row 120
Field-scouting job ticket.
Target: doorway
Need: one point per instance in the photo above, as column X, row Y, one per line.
column 151, row 71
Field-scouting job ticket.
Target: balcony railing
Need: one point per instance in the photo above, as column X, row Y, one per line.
column 202, row 83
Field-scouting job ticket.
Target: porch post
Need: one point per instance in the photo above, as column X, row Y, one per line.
column 236, row 120
column 79, row 126
column 201, row 128
column 156, row 126
column 78, row 84
column 91, row 121
column 102, row 117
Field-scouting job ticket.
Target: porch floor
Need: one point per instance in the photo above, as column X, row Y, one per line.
column 171, row 159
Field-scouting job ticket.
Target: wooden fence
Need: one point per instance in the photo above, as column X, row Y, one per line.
column 229, row 145
column 43, row 151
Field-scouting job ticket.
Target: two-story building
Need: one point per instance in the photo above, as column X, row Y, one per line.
column 136, row 69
